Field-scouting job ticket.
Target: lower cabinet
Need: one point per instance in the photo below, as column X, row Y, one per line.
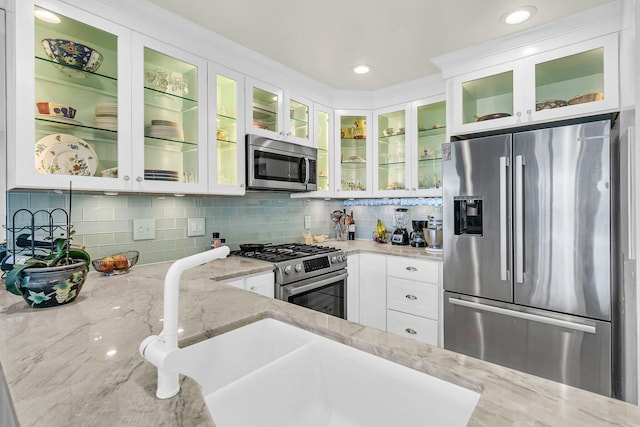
column 413, row 288
column 373, row 290
column 260, row 283
column 353, row 287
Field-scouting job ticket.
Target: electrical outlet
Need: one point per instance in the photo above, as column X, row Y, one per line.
column 144, row 229
column 307, row 222
column 195, row 227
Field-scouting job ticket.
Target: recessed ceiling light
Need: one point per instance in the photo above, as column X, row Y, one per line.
column 361, row 69
column 46, row 16
column 519, row 15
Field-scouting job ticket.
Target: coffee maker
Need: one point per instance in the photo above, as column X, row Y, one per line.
column 416, row 238
column 400, row 234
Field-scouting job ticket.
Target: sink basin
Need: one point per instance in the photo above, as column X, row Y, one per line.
column 273, row 374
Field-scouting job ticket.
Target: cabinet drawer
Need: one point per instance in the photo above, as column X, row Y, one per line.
column 411, row 297
column 412, row 269
column 407, row 325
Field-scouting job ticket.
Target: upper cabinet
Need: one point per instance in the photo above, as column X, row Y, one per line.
column 278, row 115
column 354, row 154
column 169, row 118
column 392, row 152
column 325, row 146
column 226, row 132
column 409, row 149
column 73, row 112
column 576, row 80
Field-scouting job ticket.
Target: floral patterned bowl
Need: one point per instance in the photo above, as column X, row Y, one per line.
column 73, row 54
column 52, row 286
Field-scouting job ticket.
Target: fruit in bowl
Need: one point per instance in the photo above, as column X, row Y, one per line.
column 73, row 54
column 116, row 264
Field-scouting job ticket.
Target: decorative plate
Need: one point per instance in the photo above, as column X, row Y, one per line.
column 65, row 154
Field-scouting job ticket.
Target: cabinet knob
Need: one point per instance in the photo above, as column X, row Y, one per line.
column 411, row 297
column 529, row 112
column 414, row 189
column 126, row 178
column 410, row 331
column 407, row 189
column 139, row 179
column 241, row 185
column 412, row 268
column 519, row 113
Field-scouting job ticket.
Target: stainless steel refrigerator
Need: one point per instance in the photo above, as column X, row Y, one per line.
column 530, row 251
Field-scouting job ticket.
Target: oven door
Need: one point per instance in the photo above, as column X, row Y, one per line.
column 326, row 293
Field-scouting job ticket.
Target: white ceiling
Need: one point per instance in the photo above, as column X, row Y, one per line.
column 325, row 38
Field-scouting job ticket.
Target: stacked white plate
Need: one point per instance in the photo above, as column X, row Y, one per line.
column 165, row 129
column 160, row 175
column 106, row 116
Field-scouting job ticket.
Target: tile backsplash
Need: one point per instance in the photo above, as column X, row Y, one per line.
column 104, row 224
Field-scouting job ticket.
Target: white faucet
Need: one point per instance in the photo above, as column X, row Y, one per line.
column 162, row 350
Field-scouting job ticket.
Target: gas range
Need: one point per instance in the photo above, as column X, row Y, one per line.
column 294, row 261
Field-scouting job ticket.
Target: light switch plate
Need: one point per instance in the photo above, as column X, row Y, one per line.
column 307, row 221
column 195, row 227
column 144, row 229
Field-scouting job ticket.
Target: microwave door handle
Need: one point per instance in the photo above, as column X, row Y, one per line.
column 306, row 170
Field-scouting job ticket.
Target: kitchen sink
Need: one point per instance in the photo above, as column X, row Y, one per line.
column 272, row 374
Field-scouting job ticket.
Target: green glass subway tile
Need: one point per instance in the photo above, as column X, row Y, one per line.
column 165, row 223
column 116, row 226
column 97, row 214
column 139, row 201
column 98, row 239
column 163, row 202
column 123, row 237
column 112, row 201
column 172, row 235
column 174, row 213
column 86, row 227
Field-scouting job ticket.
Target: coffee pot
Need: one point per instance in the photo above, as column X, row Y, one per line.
column 416, row 237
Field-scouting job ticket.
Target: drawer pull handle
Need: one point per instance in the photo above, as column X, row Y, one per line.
column 411, row 331
column 410, row 268
column 409, row 296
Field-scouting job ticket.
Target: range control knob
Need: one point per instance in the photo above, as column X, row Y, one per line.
column 334, row 259
column 287, row 270
column 298, row 267
column 341, row 259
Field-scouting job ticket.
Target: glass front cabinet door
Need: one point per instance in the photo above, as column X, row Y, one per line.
column 170, row 129
column 391, row 151
column 264, row 105
column 71, row 123
column 226, row 150
column 577, row 80
column 324, row 131
column 354, row 153
column 429, row 126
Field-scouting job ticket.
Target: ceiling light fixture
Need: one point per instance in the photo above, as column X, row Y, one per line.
column 519, row 15
column 46, row 16
column 361, row 69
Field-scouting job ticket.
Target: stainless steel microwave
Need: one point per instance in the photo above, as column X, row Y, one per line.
column 279, row 165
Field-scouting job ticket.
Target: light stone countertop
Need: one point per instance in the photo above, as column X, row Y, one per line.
column 357, row 246
column 78, row 365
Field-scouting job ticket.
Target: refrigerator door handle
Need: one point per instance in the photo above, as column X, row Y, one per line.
column 519, row 220
column 503, row 218
column 590, row 329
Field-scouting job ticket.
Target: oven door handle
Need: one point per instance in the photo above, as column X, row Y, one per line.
column 297, row 290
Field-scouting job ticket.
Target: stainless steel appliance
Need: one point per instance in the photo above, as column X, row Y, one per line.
column 280, row 166
column 433, row 232
column 400, row 235
column 307, row 275
column 530, row 251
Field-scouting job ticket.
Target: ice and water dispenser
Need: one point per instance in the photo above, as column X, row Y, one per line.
column 467, row 215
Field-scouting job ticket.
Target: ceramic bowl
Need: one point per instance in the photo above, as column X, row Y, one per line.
column 388, row 132
column 73, row 54
column 56, row 110
column 52, row 286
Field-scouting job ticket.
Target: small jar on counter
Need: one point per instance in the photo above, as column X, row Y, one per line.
column 216, row 242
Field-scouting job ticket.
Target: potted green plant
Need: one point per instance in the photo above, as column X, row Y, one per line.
column 53, row 280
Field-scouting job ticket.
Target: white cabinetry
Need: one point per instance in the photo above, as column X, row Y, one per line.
column 576, row 80
column 260, row 283
column 373, row 290
column 226, row 131
column 354, row 154
column 274, row 113
column 413, row 298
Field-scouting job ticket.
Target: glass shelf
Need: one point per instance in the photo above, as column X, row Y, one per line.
column 81, row 131
column 170, row 144
column 432, row 131
column 430, row 159
column 50, row 70
column 168, row 101
column 226, row 144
